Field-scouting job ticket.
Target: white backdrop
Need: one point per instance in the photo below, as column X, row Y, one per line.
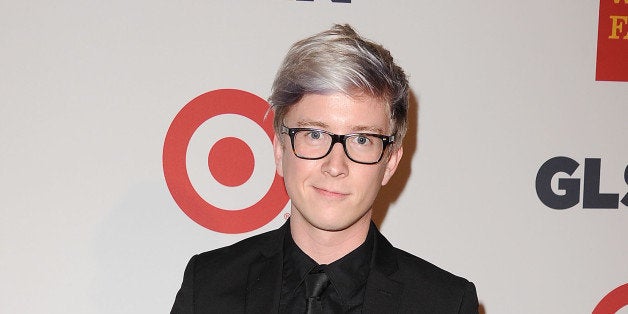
column 89, row 89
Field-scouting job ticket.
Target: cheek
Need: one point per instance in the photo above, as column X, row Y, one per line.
column 379, row 175
column 370, row 181
column 287, row 165
column 295, row 170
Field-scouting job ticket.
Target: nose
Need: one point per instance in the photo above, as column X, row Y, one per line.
column 336, row 163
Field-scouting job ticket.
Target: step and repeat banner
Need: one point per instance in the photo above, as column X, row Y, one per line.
column 135, row 134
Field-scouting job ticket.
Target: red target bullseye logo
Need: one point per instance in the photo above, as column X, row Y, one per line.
column 230, row 160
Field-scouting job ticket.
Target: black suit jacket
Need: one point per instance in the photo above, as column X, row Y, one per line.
column 246, row 277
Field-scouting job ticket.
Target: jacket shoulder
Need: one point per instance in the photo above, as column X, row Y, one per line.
column 423, row 280
column 217, row 280
column 414, row 265
column 239, row 253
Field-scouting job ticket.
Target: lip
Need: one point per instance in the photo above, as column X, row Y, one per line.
column 329, row 193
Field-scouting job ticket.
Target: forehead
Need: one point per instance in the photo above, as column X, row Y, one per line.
column 340, row 112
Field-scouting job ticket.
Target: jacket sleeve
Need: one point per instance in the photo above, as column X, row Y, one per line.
column 184, row 301
column 469, row 303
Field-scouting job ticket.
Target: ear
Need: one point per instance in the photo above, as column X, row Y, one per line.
column 278, row 152
column 391, row 165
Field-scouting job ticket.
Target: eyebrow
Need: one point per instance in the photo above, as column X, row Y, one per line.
column 310, row 123
column 325, row 126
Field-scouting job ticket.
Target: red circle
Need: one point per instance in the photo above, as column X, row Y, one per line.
column 231, row 161
column 183, row 126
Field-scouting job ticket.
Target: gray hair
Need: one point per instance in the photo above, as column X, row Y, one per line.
column 340, row 60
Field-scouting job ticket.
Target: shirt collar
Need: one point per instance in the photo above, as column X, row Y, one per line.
column 347, row 274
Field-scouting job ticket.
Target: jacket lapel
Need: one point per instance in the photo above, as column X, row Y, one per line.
column 264, row 278
column 382, row 293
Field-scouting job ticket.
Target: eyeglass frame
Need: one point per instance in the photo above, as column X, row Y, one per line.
column 387, row 140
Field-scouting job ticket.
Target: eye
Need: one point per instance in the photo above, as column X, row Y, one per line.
column 362, row 140
column 314, row 134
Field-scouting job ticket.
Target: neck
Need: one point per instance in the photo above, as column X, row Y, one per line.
column 325, row 246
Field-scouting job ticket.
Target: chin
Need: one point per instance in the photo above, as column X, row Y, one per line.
column 333, row 224
column 332, row 227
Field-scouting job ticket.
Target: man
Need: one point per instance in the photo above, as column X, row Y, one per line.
column 340, row 106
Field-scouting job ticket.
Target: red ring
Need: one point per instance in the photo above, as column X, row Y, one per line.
column 613, row 301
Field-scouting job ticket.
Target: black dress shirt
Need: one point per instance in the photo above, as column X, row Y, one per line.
column 347, row 275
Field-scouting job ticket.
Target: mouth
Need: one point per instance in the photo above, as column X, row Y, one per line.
column 329, row 193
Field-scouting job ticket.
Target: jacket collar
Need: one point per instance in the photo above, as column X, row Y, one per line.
column 382, row 292
column 265, row 276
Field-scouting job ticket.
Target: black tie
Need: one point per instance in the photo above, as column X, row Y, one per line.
column 315, row 283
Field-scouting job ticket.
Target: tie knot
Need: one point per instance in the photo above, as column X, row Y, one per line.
column 315, row 283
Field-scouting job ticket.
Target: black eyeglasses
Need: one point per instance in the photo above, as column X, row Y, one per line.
column 312, row 144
